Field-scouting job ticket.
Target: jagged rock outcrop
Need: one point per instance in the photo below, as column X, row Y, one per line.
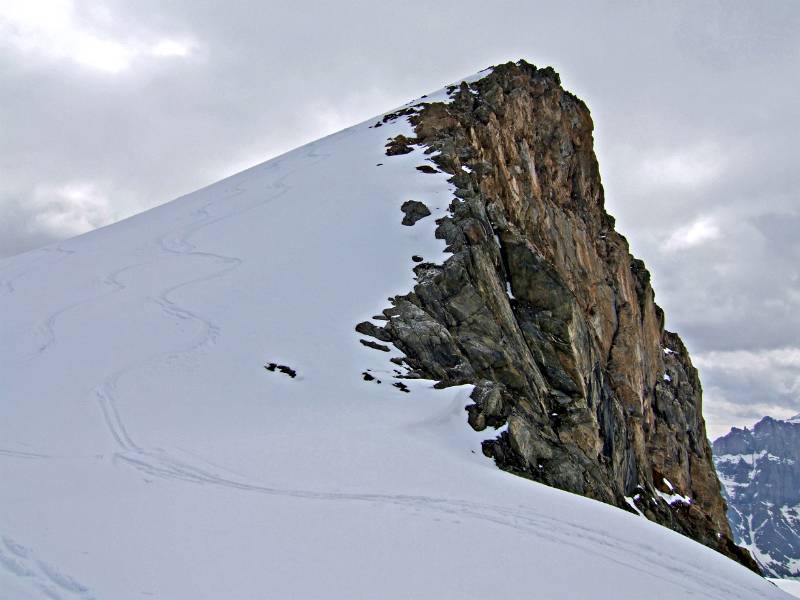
column 543, row 307
column 760, row 472
column 414, row 210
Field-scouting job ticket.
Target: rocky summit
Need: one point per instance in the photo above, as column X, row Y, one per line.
column 542, row 306
column 760, row 472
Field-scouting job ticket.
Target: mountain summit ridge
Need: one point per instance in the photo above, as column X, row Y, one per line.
column 186, row 412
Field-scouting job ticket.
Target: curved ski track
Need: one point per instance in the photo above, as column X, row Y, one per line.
column 46, row 328
column 158, row 462
column 8, row 284
column 21, row 562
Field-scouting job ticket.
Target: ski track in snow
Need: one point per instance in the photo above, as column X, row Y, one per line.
column 181, row 247
column 20, row 454
column 21, row 562
column 15, row 558
column 46, row 328
column 159, row 462
column 7, row 285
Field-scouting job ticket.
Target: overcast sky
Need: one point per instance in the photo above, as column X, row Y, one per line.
column 109, row 108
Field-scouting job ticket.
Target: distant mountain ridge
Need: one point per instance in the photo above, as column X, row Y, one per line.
column 759, row 469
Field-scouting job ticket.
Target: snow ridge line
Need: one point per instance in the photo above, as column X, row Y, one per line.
column 20, row 561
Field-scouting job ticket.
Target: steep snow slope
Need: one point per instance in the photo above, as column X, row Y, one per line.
column 146, row 453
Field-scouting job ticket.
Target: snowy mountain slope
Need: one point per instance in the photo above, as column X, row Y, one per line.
column 146, row 453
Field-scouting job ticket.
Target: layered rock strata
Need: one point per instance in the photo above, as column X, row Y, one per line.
column 542, row 306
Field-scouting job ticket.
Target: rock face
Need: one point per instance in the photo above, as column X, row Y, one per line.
column 543, row 307
column 760, row 472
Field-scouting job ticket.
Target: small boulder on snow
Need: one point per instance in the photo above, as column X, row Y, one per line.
column 281, row 368
column 399, row 145
column 414, row 210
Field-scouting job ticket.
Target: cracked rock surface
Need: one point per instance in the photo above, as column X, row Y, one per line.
column 544, row 309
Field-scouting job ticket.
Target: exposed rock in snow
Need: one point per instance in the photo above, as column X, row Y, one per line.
column 414, row 210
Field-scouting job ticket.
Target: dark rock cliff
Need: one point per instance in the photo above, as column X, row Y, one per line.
column 760, row 472
column 542, row 306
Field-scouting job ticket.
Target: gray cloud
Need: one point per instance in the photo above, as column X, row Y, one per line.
column 111, row 108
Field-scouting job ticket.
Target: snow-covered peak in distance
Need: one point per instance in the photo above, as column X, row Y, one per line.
column 146, row 451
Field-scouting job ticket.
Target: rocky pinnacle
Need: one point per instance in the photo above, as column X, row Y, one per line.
column 544, row 309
